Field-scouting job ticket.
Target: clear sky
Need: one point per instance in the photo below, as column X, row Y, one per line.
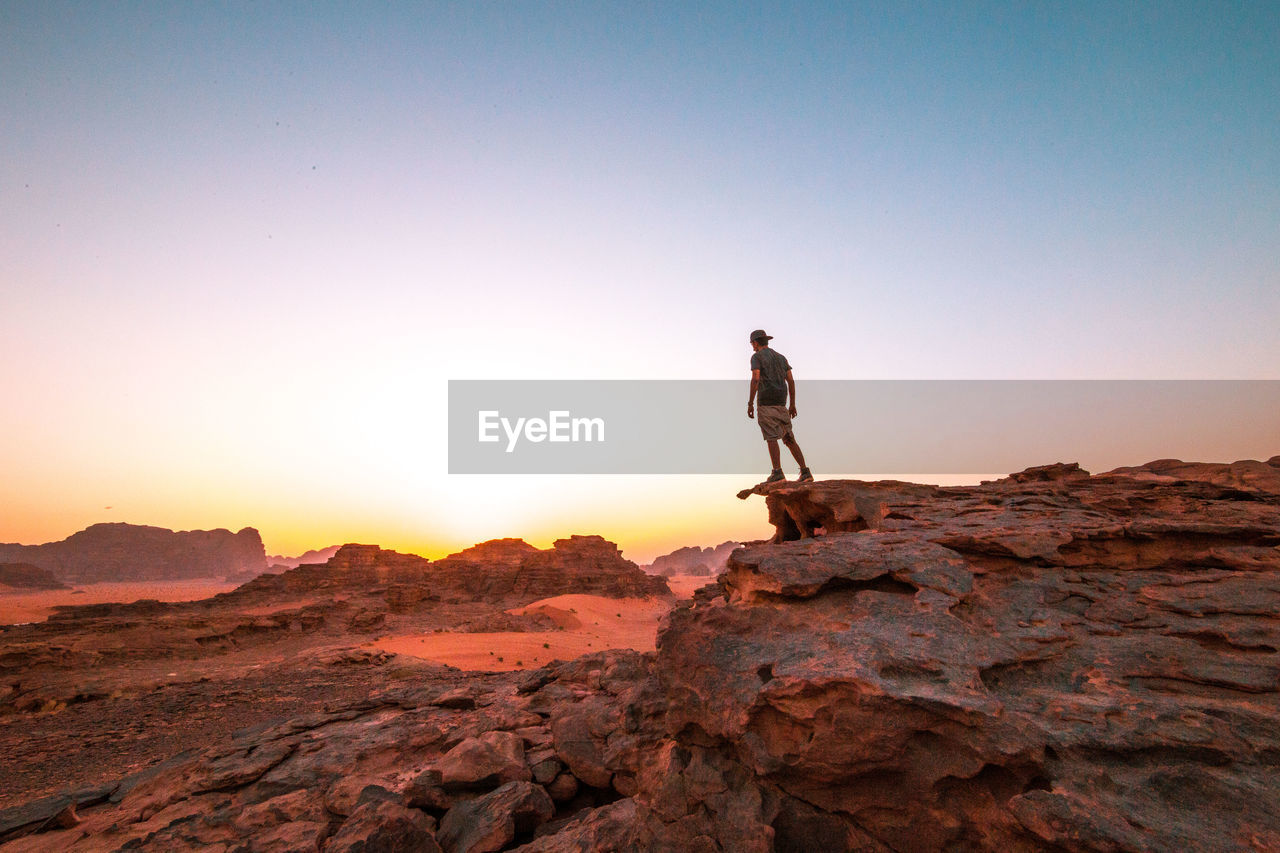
column 243, row 246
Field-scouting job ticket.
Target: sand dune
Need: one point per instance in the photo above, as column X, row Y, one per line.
column 589, row 623
column 684, row 586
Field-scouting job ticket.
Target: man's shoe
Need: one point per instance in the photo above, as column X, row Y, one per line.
column 806, row 476
column 776, row 476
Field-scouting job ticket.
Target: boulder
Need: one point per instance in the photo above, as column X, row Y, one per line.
column 563, row 788
column 345, row 795
column 491, row 822
column 579, row 736
column 381, row 826
column 491, row 759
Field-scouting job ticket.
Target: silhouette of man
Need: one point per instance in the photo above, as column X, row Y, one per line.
column 771, row 377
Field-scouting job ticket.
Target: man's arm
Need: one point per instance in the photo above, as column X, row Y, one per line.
column 791, row 389
column 751, row 398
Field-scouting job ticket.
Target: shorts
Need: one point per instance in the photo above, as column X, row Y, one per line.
column 775, row 422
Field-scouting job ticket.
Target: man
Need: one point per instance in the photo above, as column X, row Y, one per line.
column 771, row 377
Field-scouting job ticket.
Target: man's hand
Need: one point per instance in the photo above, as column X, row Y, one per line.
column 792, row 411
column 751, row 410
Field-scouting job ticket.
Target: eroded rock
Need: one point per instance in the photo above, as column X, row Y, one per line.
column 492, row 758
column 384, row 826
column 489, row 823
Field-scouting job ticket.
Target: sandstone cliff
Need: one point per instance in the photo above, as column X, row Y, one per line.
column 132, row 552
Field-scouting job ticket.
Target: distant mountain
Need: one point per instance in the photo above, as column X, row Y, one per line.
column 133, row 552
column 27, row 576
column 319, row 555
column 692, row 560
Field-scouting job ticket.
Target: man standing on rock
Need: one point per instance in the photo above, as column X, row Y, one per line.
column 771, row 377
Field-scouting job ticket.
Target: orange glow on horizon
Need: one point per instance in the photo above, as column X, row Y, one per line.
column 644, row 516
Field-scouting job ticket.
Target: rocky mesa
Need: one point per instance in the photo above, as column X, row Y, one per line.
column 133, row 552
column 1056, row 661
column 505, row 572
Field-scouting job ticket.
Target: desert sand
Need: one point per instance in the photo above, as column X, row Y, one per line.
column 588, row 623
column 684, row 586
column 18, row 607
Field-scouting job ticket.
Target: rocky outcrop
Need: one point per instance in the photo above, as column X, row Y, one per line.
column 801, row 510
column 1042, row 663
column 1049, row 473
column 1246, row 474
column 26, row 576
column 473, row 768
column 584, row 564
column 131, row 552
column 510, row 552
column 354, row 566
column 507, row 572
column 692, row 560
column 1050, row 662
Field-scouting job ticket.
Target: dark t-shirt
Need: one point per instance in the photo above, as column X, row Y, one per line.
column 773, row 369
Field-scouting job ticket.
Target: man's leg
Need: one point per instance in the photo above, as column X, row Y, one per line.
column 775, row 455
column 790, row 442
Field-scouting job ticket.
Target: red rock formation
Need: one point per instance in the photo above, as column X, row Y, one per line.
column 1040, row 663
column 800, row 510
column 509, row 551
column 513, row 572
column 585, row 564
column 1049, row 473
column 131, row 552
column 353, row 566
column 509, row 572
column 1247, row 474
column 27, row 576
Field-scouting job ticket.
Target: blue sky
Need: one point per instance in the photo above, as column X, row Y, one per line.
column 265, row 235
